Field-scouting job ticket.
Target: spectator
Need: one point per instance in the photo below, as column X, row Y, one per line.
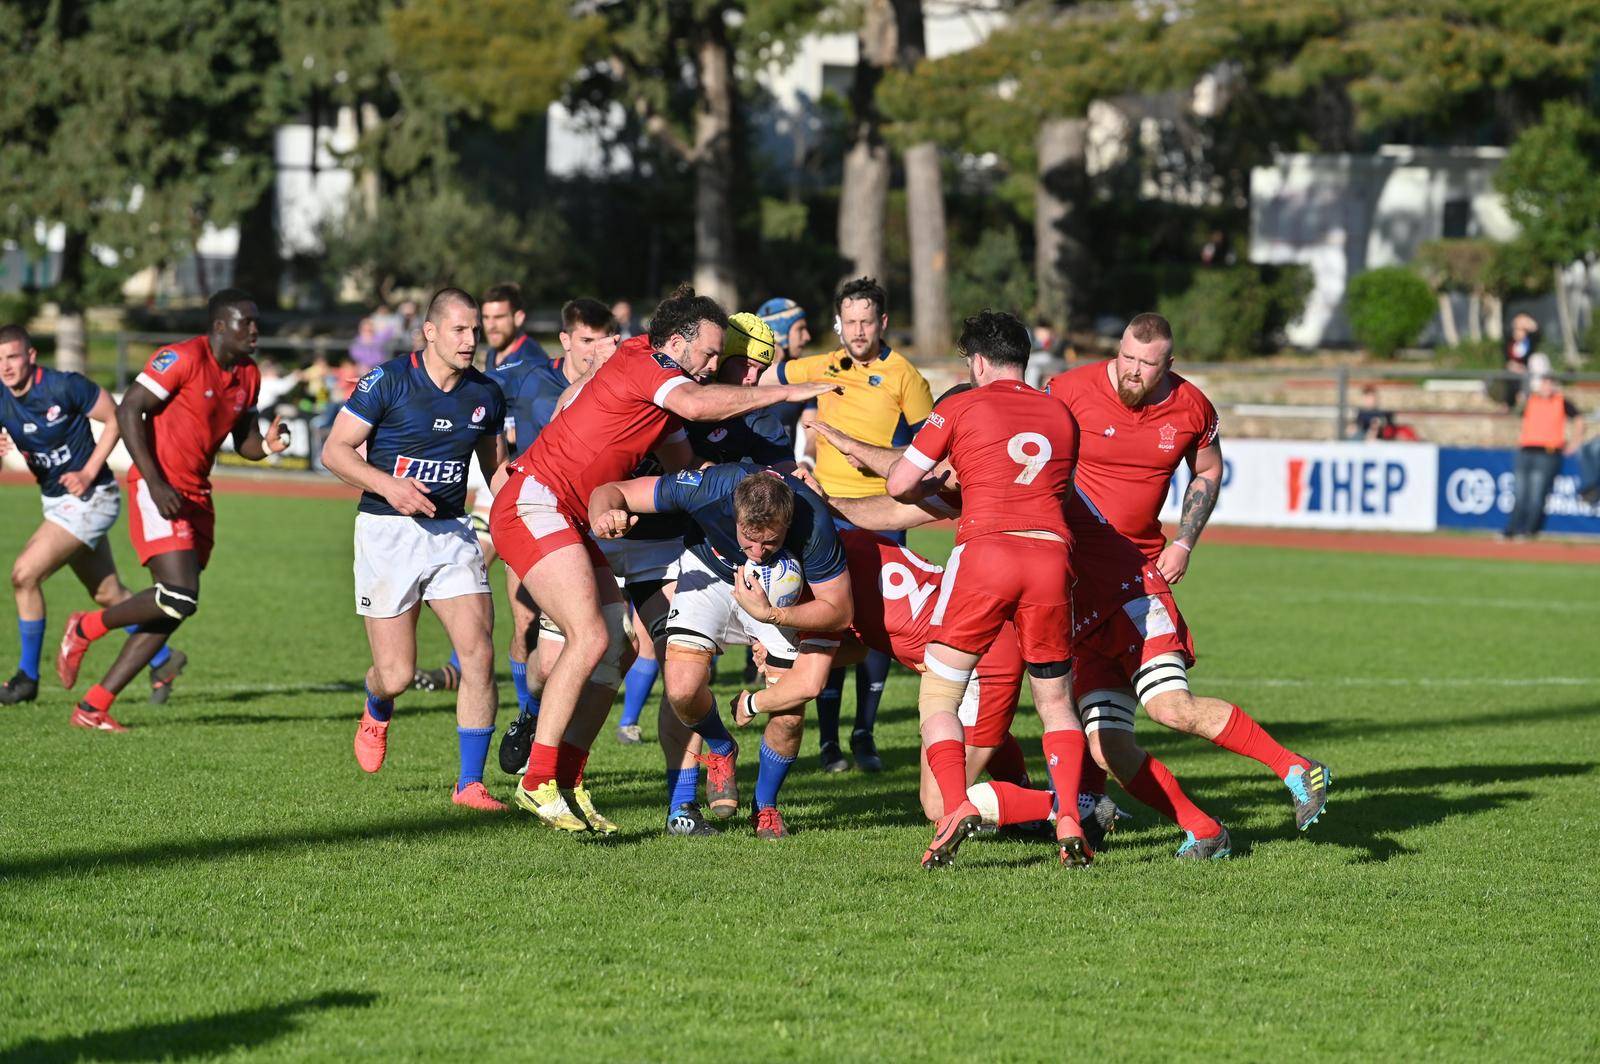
column 1372, row 421
column 1551, row 427
column 275, row 385
column 386, row 320
column 409, row 335
column 370, row 346
column 1046, row 360
column 1521, row 354
column 627, row 324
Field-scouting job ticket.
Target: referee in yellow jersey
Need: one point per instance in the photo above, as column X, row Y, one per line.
column 884, row 400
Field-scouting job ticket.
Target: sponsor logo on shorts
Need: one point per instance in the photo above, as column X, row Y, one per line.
column 164, row 361
column 370, row 379
column 477, row 415
column 366, row 603
column 430, row 470
column 1169, row 437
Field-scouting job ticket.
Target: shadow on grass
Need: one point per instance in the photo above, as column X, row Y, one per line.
column 203, row 1036
column 350, row 715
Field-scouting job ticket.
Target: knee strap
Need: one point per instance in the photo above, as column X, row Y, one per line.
column 939, row 694
column 177, row 602
column 1161, row 675
column 609, row 672
column 1107, row 710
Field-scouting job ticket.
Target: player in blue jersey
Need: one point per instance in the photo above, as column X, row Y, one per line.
column 45, row 415
column 739, row 512
column 422, row 418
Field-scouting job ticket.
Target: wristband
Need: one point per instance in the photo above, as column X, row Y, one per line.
column 1181, row 543
column 779, row 615
column 750, row 704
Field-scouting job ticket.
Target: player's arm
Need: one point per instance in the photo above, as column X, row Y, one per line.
column 250, row 443
column 139, row 404
column 104, row 411
column 830, row 609
column 676, row 453
column 615, row 507
column 719, row 402
column 340, row 455
column 1199, row 499
column 492, row 455
column 799, row 684
column 880, row 513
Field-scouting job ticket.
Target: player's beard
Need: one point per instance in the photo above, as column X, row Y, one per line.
column 1134, row 394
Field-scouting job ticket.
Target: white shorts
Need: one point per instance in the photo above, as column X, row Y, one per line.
column 482, row 501
column 401, row 561
column 635, row 561
column 87, row 519
column 704, row 606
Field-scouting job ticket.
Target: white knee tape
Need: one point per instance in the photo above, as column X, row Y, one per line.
column 609, row 672
column 548, row 629
column 1160, row 675
column 1107, row 710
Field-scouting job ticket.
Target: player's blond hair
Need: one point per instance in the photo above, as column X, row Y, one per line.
column 763, row 501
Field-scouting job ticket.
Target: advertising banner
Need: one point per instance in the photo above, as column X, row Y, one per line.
column 1477, row 487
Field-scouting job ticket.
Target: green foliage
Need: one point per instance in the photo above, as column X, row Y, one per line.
column 992, row 274
column 1516, row 269
column 1388, row 307
column 1456, row 265
column 18, row 308
column 1551, row 182
column 1235, row 311
column 1471, row 354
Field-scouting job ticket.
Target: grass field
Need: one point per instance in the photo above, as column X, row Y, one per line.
column 223, row 881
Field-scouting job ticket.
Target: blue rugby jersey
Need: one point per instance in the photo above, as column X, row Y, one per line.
column 50, row 426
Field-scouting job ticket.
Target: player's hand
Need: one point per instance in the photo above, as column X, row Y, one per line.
column 750, row 597
column 804, row 475
column 6, row 446
column 801, row 393
column 276, row 434
column 758, row 655
column 169, row 503
column 742, row 713
column 409, row 498
column 614, row 524
column 1173, row 562
column 76, row 483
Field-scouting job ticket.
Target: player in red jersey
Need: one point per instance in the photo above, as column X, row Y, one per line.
column 1013, row 449
column 1138, row 421
column 627, row 408
column 174, row 417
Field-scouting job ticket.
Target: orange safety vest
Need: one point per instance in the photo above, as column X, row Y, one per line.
column 1544, row 422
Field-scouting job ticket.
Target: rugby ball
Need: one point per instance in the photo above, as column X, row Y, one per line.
column 782, row 578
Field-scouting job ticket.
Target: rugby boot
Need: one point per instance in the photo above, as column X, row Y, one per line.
column 548, row 804
column 769, row 824
column 865, row 751
column 20, row 688
column 1215, row 848
column 1309, row 786
column 833, row 759
column 161, row 677
column 949, row 833
column 69, row 659
column 629, row 734
column 477, row 796
column 371, row 742
column 1098, row 817
column 86, row 716
column 722, row 786
column 687, row 819
column 579, row 796
column 517, row 743
column 1071, row 845
column 445, row 678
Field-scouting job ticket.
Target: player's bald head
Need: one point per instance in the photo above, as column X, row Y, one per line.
column 445, row 300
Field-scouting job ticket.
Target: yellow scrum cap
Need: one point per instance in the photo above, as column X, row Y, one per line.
column 749, row 337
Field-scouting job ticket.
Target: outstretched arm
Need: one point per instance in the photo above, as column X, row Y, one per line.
column 880, row 513
column 718, row 402
column 1199, row 499
column 614, row 507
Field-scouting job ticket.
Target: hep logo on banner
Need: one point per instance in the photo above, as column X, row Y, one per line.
column 1324, row 485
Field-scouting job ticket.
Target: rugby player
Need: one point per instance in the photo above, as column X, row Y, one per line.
column 1139, row 419
column 421, row 418
column 739, row 511
column 45, row 415
column 173, row 418
column 624, row 410
column 1013, row 451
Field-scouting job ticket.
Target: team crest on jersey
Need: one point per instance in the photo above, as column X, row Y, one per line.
column 691, row 477
column 717, row 435
column 1169, row 437
column 164, row 361
column 663, row 361
column 52, row 415
column 874, row 380
column 477, row 415
column 370, row 379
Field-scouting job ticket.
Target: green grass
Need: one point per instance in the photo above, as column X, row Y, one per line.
column 224, row 882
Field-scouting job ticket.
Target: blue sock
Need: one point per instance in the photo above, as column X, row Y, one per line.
column 871, row 675
column 380, row 708
column 474, row 743
column 770, row 776
column 682, row 786
column 32, row 636
column 161, row 655
column 455, row 661
column 714, row 732
column 519, row 680
column 636, row 688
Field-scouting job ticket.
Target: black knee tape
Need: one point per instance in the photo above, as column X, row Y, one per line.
column 643, row 591
column 1049, row 670
column 176, row 602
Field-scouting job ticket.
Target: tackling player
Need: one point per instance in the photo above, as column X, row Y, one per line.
column 739, row 511
column 45, row 415
column 627, row 408
column 1014, row 450
column 421, row 418
column 173, row 418
column 1139, row 419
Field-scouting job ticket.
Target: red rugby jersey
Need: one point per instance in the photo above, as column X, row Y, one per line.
column 894, row 589
column 201, row 404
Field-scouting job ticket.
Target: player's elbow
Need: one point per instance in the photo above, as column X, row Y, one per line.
column 903, row 480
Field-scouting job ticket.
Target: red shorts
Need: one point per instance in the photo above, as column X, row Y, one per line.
column 998, row 577
column 194, row 528
column 528, row 525
column 990, row 704
column 1107, row 656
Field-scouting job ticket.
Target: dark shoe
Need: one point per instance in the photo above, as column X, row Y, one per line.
column 516, row 744
column 1309, row 786
column 20, row 688
column 865, row 751
column 833, row 759
column 1218, row 847
column 161, row 677
column 687, row 819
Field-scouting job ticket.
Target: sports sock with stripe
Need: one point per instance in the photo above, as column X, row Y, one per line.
column 1156, row 786
column 31, row 635
column 1093, row 779
column 769, row 777
column 711, row 728
column 636, row 688
column 379, row 709
column 473, row 744
column 1243, row 736
column 828, row 708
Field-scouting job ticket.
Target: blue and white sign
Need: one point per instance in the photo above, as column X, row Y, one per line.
column 1477, row 488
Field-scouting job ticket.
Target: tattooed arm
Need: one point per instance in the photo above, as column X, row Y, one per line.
column 1198, row 501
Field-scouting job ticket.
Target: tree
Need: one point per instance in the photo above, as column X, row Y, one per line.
column 864, row 186
column 1552, row 187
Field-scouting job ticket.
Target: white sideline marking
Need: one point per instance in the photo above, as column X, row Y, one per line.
column 1417, row 681
column 1541, row 605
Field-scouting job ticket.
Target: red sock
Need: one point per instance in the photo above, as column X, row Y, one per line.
column 98, row 698
column 1007, row 765
column 541, row 766
column 1243, row 736
column 1155, row 786
column 1094, row 777
column 1021, row 805
column 947, row 760
column 569, row 764
column 92, row 625
column 1063, row 756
